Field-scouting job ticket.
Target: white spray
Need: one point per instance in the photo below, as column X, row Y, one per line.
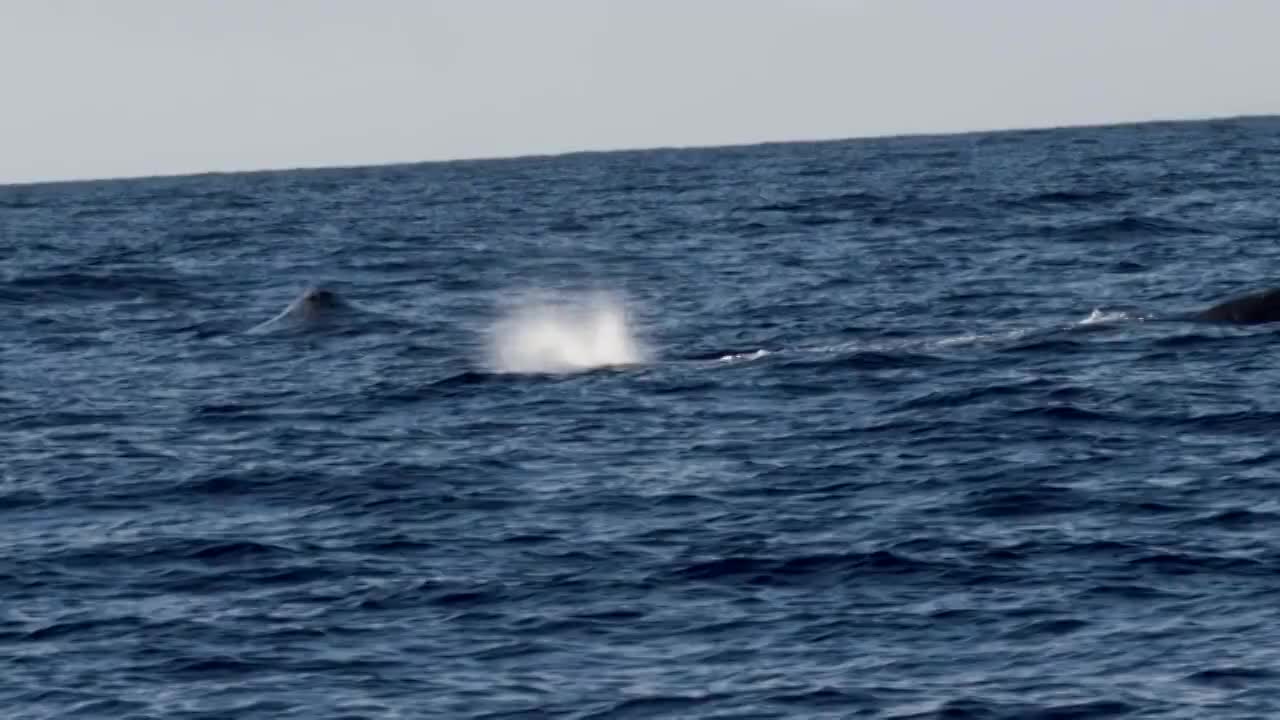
column 564, row 333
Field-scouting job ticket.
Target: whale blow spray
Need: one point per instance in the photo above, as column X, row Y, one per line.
column 564, row 333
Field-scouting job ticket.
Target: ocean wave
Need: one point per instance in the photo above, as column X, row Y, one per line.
column 844, row 439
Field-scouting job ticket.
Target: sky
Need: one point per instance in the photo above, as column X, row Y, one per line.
column 93, row 89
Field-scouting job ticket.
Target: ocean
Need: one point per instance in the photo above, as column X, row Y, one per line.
column 914, row 427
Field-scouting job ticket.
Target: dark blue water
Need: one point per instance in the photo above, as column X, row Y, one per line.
column 901, row 428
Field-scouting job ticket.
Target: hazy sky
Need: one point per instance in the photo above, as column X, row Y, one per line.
column 97, row 88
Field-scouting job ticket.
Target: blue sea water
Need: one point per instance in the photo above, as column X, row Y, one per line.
column 891, row 428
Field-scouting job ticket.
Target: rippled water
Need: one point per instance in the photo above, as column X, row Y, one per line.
column 901, row 428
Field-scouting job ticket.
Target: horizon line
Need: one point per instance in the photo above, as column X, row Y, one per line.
column 6, row 185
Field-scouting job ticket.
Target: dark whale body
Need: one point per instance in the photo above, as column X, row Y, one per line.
column 315, row 307
column 317, row 303
column 1253, row 309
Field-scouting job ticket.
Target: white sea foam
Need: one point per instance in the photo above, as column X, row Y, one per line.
column 1098, row 316
column 973, row 338
column 744, row 356
column 564, row 333
column 968, row 339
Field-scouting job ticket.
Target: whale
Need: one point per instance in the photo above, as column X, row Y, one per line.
column 315, row 307
column 1253, row 309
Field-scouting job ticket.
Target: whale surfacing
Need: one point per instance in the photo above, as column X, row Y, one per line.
column 314, row 307
column 1253, row 309
column 315, row 304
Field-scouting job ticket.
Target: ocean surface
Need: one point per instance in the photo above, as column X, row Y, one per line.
column 891, row 428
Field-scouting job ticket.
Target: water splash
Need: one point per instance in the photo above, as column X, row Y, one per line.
column 743, row 356
column 1098, row 317
column 563, row 334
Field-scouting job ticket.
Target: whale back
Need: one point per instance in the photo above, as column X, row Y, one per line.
column 315, row 307
column 316, row 304
column 1252, row 309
